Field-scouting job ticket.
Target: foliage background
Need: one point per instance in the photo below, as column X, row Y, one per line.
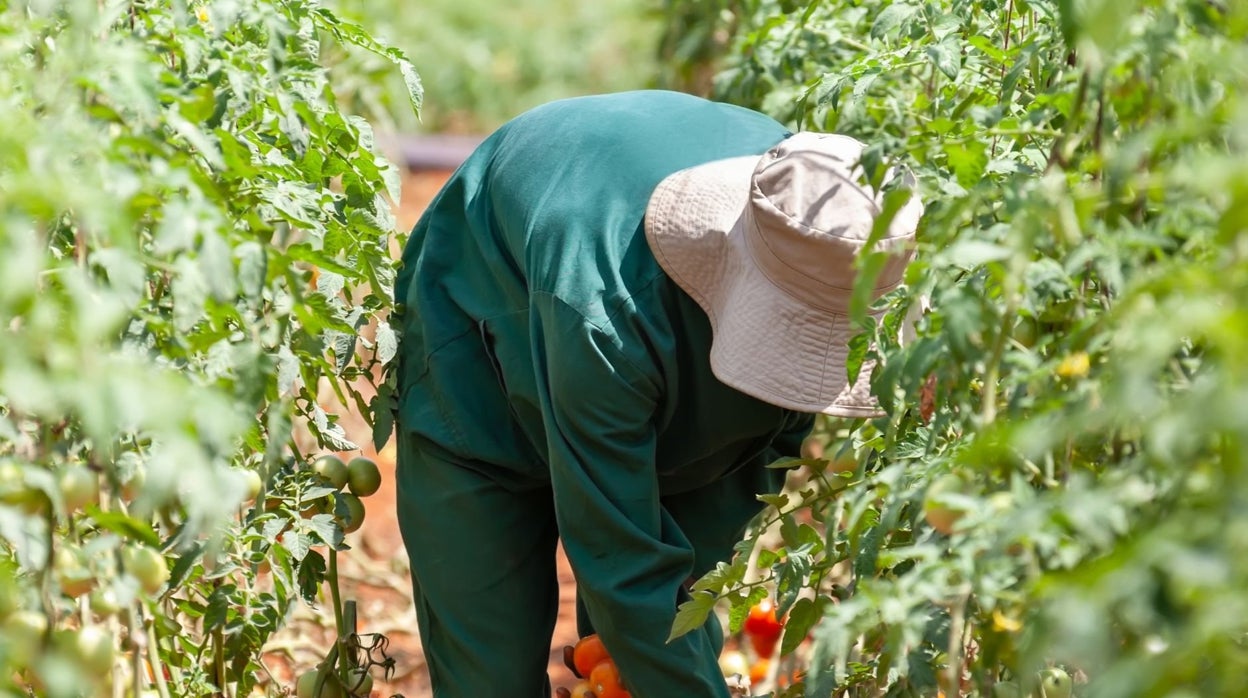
column 484, row 62
column 195, row 241
column 195, row 234
column 1083, row 250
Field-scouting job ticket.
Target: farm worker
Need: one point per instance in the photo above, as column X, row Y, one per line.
column 617, row 311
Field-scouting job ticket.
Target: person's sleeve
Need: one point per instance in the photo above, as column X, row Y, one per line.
column 788, row 443
column 628, row 555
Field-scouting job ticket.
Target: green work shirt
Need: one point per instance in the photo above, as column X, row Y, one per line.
column 542, row 345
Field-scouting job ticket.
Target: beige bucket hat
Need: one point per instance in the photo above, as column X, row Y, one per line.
column 766, row 245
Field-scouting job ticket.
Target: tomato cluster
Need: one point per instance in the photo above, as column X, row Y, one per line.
column 359, row 478
column 762, row 627
column 590, row 662
column 598, row 676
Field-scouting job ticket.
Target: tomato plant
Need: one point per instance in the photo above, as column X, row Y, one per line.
column 1052, row 491
column 195, row 239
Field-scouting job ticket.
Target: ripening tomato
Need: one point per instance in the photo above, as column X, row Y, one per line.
column 758, row 672
column 587, row 654
column 605, row 681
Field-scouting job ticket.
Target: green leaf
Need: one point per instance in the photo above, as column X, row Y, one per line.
column 740, row 607
column 311, row 576
column 126, row 526
column 287, row 370
column 971, row 253
column 692, row 614
column 947, row 56
column 219, row 604
column 297, row 542
column 126, row 276
column 868, row 550
column 968, row 160
column 324, row 527
column 722, row 576
column 892, row 18
column 383, row 407
column 801, row 618
column 859, row 347
column 184, row 563
column 778, row 501
column 387, row 343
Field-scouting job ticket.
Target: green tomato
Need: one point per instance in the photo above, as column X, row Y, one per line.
column 305, row 687
column 1006, row 689
column 253, row 484
column 130, row 489
column 1026, row 331
column 79, row 486
column 104, row 601
column 359, row 682
column 1054, row 683
column 355, row 513
column 734, row 663
column 332, row 470
column 24, row 632
column 146, row 565
column 71, row 572
column 91, row 646
column 363, row 477
column 15, row 491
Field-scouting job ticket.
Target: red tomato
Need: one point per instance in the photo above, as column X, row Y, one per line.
column 763, row 628
column 762, row 621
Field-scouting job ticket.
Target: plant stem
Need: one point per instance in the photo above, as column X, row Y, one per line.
column 218, row 660
column 988, row 396
column 139, row 641
column 336, row 596
column 957, row 625
column 153, row 659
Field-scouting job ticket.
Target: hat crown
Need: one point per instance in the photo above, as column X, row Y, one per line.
column 812, row 214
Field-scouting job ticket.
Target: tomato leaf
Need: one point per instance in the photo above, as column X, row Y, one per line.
column 692, row 614
column 125, row 526
column 799, row 620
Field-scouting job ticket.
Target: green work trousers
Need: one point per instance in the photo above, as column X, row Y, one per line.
column 483, row 565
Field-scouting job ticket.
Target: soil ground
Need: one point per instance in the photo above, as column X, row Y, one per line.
column 375, row 574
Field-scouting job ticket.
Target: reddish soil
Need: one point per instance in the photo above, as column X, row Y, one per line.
column 375, row 573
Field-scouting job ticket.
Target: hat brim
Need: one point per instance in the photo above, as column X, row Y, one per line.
column 765, row 343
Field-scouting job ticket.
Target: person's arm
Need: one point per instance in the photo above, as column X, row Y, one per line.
column 788, row 443
column 628, row 556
